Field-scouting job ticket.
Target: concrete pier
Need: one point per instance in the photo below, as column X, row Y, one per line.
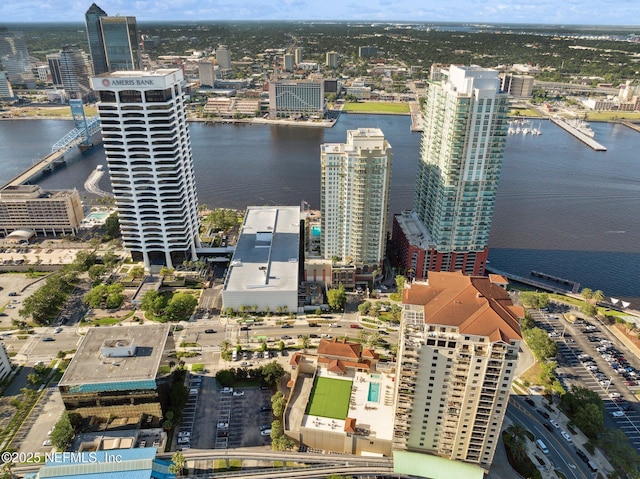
column 578, row 134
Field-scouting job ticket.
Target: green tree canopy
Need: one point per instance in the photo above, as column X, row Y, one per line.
column 272, row 372
column 62, row 433
column 153, row 302
column 112, row 226
column 337, row 297
column 181, row 307
column 534, row 300
column 400, row 281
column 541, row 345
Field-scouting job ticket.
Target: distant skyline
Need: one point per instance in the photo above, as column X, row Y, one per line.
column 568, row 12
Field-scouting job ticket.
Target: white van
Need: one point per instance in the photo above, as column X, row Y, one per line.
column 234, row 355
column 542, row 446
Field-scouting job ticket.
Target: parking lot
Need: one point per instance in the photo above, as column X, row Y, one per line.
column 589, row 355
column 234, row 416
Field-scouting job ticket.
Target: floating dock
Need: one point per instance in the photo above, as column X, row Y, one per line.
column 579, row 135
column 633, row 126
column 575, row 286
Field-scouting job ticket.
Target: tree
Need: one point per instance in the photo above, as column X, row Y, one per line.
column 96, row 272
column 540, row 343
column 137, row 271
column 588, row 309
column 181, row 307
column 178, row 463
column 62, row 433
column 337, row 297
column 272, row 372
column 534, row 300
column 586, row 293
column 278, row 404
column 305, row 341
column 153, row 302
column 518, row 435
column 622, row 456
column 110, row 259
column 364, row 308
column 590, row 420
column 598, row 295
column 111, row 226
column 400, row 281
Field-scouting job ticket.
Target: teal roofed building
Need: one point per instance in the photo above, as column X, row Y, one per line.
column 138, row 463
column 114, row 375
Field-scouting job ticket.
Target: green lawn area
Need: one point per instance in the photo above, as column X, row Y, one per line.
column 376, row 107
column 516, row 112
column 330, row 398
column 613, row 115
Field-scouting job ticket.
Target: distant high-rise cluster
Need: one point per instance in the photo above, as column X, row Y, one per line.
column 15, row 60
column 465, row 128
column 113, row 41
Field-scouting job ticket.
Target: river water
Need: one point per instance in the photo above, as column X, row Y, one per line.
column 562, row 208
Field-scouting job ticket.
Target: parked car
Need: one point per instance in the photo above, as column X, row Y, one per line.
column 238, row 393
column 266, row 432
column 544, row 414
column 209, row 331
column 566, row 435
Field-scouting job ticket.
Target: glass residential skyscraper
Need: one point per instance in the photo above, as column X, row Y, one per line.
column 148, row 149
column 465, row 128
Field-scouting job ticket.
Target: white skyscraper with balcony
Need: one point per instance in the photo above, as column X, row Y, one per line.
column 148, row 150
column 356, row 176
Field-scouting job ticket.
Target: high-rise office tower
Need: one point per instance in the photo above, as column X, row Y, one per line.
column 75, row 73
column 223, row 57
column 15, row 60
column 465, row 128
column 298, row 55
column 289, row 59
column 355, row 177
column 121, row 43
column 96, row 43
column 206, row 73
column 148, row 149
column 113, row 41
column 456, row 361
column 53, row 59
column 332, row 59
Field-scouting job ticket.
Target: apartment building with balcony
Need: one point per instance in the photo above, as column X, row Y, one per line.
column 456, row 361
column 148, row 150
column 356, row 178
column 46, row 212
column 465, row 129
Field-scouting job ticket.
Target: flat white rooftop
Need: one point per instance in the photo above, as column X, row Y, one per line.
column 413, row 229
column 266, row 256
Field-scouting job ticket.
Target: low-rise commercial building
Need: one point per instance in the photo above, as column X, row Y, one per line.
column 264, row 270
column 115, row 374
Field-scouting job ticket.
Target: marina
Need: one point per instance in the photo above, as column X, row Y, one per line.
column 579, row 131
column 524, row 127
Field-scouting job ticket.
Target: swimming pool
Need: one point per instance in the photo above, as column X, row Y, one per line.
column 374, row 392
column 97, row 215
column 316, row 230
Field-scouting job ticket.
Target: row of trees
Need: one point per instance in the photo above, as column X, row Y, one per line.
column 279, row 442
column 269, row 374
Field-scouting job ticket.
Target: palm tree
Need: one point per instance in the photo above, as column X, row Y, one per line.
column 305, row 340
column 178, row 463
column 518, row 441
column 225, row 345
column 586, row 293
column 598, row 295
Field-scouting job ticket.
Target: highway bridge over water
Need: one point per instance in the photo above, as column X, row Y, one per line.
column 80, row 136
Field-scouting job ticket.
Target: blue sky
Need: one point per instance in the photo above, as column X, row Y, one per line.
column 591, row 12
